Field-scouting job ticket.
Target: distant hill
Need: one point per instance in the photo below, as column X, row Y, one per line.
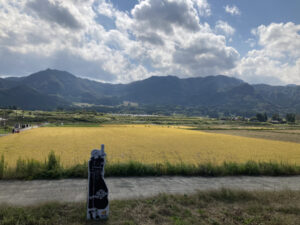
column 50, row 89
column 65, row 85
column 28, row 98
column 174, row 91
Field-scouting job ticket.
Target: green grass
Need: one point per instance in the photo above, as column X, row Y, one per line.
column 5, row 131
column 210, row 207
column 51, row 168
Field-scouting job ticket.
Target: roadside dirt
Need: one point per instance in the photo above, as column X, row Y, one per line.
column 278, row 135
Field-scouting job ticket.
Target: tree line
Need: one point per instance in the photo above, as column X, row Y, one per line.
column 263, row 117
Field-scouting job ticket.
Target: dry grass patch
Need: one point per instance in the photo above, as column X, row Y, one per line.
column 277, row 135
column 215, row 207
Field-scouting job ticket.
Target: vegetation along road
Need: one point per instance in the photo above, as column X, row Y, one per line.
column 74, row 190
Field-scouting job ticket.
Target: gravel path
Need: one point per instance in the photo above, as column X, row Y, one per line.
column 75, row 190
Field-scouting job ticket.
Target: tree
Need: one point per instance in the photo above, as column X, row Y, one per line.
column 290, row 117
column 262, row 117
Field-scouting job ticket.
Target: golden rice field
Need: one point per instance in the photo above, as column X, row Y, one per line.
column 144, row 143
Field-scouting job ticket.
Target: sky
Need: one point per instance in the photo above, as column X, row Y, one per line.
column 121, row 41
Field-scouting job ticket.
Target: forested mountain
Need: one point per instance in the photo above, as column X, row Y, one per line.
column 25, row 97
column 50, row 89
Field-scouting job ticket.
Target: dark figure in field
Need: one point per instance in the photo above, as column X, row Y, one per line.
column 98, row 191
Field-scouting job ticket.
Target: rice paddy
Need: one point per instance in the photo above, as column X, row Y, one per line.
column 144, row 143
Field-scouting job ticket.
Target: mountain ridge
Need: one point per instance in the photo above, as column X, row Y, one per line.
column 49, row 89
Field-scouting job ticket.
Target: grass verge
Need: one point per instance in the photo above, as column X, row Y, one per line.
column 5, row 131
column 51, row 168
column 213, row 207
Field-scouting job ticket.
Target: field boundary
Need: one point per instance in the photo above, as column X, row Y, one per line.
column 52, row 168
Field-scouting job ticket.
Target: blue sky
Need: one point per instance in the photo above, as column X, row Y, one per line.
column 121, row 41
column 253, row 14
column 126, row 5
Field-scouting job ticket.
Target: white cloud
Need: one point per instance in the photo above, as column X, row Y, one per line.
column 165, row 15
column 278, row 60
column 233, row 10
column 106, row 9
column 159, row 37
column 251, row 42
column 280, row 39
column 224, row 27
column 205, row 54
column 180, row 45
column 29, row 43
column 54, row 12
column 203, row 7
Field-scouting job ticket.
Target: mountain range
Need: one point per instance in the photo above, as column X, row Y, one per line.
column 50, row 89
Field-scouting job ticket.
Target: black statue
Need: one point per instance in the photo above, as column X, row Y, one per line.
column 97, row 207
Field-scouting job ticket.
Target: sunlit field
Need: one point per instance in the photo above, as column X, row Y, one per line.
column 144, row 143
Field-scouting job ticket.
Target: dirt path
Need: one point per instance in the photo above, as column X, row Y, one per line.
column 74, row 190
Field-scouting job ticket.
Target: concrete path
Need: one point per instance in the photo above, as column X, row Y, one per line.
column 75, row 190
column 21, row 130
